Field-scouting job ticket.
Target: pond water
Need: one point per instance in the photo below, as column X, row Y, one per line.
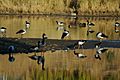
column 61, row 65
column 46, row 24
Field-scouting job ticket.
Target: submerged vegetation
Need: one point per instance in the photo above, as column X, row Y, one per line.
column 84, row 7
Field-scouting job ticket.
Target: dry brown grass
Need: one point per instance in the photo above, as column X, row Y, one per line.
column 86, row 7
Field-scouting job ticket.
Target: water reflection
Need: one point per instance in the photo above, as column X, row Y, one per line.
column 48, row 25
column 64, row 64
column 40, row 59
column 11, row 50
column 61, row 64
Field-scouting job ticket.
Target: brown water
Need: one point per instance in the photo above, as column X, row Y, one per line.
column 48, row 25
column 60, row 65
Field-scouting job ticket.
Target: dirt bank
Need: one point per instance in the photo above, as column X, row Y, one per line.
column 24, row 45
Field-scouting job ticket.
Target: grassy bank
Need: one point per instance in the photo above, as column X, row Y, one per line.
column 92, row 7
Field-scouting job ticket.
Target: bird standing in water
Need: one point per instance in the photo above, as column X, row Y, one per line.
column 65, row 34
column 44, row 37
column 21, row 32
column 101, row 35
column 27, row 24
column 3, row 31
column 90, row 24
column 60, row 23
column 117, row 26
column 79, row 44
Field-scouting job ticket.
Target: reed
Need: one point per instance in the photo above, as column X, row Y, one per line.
column 84, row 7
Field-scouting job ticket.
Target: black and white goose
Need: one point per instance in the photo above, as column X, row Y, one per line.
column 11, row 50
column 79, row 55
column 90, row 24
column 74, row 13
column 97, row 56
column 21, row 32
column 60, row 23
column 65, row 34
column 3, row 31
column 101, row 35
column 97, row 45
column 27, row 24
column 60, row 28
column 40, row 60
column 117, row 30
column 82, row 24
column 101, row 50
column 79, row 43
column 117, row 24
column 44, row 37
column 90, row 31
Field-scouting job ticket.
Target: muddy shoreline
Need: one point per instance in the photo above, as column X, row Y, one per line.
column 24, row 45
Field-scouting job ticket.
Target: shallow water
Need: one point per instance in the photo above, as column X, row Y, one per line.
column 46, row 24
column 61, row 65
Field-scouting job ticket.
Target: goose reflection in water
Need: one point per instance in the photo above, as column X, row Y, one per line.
column 40, row 59
column 117, row 26
column 11, row 50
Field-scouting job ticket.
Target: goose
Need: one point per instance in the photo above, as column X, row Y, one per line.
column 60, row 28
column 65, row 34
column 60, row 23
column 36, row 48
column 33, row 57
column 89, row 24
column 21, row 32
column 40, row 60
column 27, row 24
column 117, row 24
column 79, row 43
column 11, row 49
column 79, row 55
column 90, row 31
column 97, row 45
column 3, row 31
column 44, row 37
column 97, row 56
column 11, row 58
column 72, row 24
column 74, row 14
column 101, row 50
column 116, row 30
column 101, row 35
column 82, row 24
column 69, row 26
